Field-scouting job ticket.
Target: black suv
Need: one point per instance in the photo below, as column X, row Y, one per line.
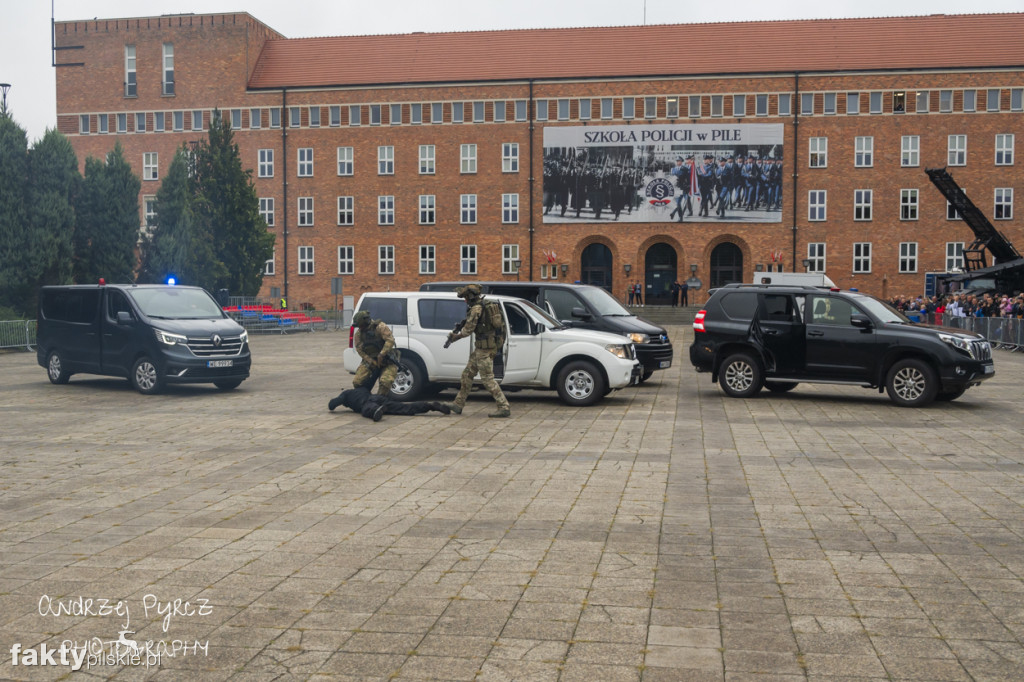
column 749, row 335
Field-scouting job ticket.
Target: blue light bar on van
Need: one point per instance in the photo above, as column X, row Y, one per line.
column 171, row 281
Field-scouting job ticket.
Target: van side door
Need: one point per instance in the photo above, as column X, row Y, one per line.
column 119, row 341
column 523, row 344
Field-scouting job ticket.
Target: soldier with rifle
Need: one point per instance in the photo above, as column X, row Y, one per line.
column 375, row 344
column 485, row 323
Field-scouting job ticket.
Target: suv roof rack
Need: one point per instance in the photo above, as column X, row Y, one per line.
column 742, row 285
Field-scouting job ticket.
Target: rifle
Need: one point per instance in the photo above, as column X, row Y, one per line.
column 455, row 330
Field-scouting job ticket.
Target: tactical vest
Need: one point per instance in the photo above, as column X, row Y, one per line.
column 489, row 326
column 372, row 342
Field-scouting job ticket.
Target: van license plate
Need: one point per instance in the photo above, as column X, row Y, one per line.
column 220, row 363
column 664, row 364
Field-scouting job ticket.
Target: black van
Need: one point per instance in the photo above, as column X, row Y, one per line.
column 586, row 307
column 152, row 334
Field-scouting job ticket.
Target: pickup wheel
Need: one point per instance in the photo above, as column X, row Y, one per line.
column 780, row 386
column 228, row 384
column 56, row 370
column 146, row 377
column 410, row 381
column 740, row 376
column 911, row 383
column 580, row 383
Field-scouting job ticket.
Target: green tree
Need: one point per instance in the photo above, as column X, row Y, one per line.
column 56, row 181
column 16, row 252
column 226, row 200
column 108, row 220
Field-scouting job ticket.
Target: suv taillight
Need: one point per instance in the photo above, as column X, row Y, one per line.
column 351, row 336
column 698, row 321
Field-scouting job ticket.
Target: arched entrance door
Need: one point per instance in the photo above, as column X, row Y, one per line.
column 660, row 271
column 726, row 265
column 596, row 266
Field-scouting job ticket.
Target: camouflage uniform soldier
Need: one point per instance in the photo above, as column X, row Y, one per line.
column 376, row 346
column 484, row 321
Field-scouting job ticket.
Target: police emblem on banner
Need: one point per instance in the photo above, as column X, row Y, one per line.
column 659, row 192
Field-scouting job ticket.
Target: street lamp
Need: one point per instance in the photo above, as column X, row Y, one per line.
column 565, row 269
column 693, row 269
column 807, row 264
column 627, row 267
column 516, row 264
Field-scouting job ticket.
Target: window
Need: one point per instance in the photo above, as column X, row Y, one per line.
column 786, row 105
column 951, row 212
column 294, row 117
column 275, row 117
column 816, row 256
column 585, row 109
column 542, row 110
column 140, row 123
column 945, row 101
column 346, row 210
column 606, row 107
column 899, row 102
column 510, row 208
column 386, row 209
column 862, row 204
column 168, row 73
column 1017, row 99
column 148, row 210
column 255, row 118
column 830, row 104
column 427, row 153
column 499, row 111
column 908, row 204
column 416, row 114
column 1004, row 203
column 159, row 118
column 923, row 104
column 467, row 158
column 970, row 100
column 954, row 256
column 122, row 123
column 816, row 205
column 861, row 257
column 910, row 150
column 521, row 110
column 739, row 105
column 427, row 209
column 437, row 112
column 375, row 114
column 693, row 106
column 864, row 152
column 509, row 256
column 346, row 161
column 265, row 169
column 267, row 210
column 386, row 260
column 395, row 115
column 563, row 110
column 335, row 113
column 716, row 106
column 818, row 152
column 807, row 104
column 428, row 263
column 458, row 112
column 314, row 117
column 305, row 211
column 628, row 107
column 130, row 86
column 875, row 103
column 957, row 151
column 853, row 103
column 467, row 214
column 346, row 260
column 467, row 261
column 236, row 120
column 103, row 127
column 305, row 162
column 386, row 160
column 650, row 107
column 355, row 115
column 1004, row 150
column 761, row 105
column 306, row 260
column 510, row 157
column 908, row 256
column 268, row 265
column 149, row 166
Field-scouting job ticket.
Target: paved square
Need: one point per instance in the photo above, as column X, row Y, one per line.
column 668, row 533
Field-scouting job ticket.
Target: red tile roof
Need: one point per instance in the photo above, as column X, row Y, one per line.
column 937, row 41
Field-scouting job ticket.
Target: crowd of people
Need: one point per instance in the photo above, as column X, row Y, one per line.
column 961, row 305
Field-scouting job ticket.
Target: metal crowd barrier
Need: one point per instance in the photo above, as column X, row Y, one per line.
column 18, row 334
column 1001, row 332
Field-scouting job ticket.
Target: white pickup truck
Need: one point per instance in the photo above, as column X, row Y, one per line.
column 539, row 353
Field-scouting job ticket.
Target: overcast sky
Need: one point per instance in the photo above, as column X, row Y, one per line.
column 25, row 56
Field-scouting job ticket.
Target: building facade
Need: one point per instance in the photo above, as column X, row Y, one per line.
column 388, row 161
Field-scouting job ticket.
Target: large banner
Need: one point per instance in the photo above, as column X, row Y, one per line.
column 662, row 173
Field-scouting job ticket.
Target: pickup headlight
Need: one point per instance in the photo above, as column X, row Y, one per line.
column 637, row 337
column 958, row 342
column 619, row 351
column 170, row 339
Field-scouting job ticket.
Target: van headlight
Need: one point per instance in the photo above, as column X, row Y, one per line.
column 244, row 337
column 637, row 337
column 618, row 350
column 169, row 338
column 958, row 342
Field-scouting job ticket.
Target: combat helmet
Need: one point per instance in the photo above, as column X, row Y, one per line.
column 361, row 319
column 470, row 292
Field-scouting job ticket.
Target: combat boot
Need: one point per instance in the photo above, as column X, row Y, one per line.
column 378, row 414
column 501, row 413
column 439, row 407
column 455, row 407
column 334, row 403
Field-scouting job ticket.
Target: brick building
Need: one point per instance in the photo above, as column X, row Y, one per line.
column 394, row 160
